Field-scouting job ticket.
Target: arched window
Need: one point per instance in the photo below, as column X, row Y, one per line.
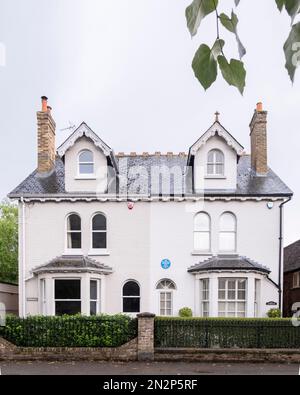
column 73, row 232
column 166, row 288
column 202, row 236
column 99, row 232
column 215, row 163
column 86, row 162
column 131, row 297
column 227, row 234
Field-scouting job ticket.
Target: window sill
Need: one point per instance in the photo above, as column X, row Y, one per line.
column 73, row 252
column 87, row 177
column 215, row 177
column 202, row 253
column 101, row 252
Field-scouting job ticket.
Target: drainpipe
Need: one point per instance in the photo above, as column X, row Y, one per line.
column 281, row 251
column 22, row 266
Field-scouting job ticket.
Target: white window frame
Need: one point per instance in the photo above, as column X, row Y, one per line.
column 79, row 162
column 67, row 300
column 233, row 232
column 72, row 251
column 215, row 164
column 43, row 295
column 98, row 300
column 99, row 251
column 206, row 232
column 204, row 297
column 226, row 300
column 296, row 280
column 166, row 287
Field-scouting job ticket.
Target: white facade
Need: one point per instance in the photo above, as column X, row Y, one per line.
column 139, row 236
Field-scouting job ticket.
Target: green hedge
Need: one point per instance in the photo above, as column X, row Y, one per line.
column 226, row 333
column 70, row 331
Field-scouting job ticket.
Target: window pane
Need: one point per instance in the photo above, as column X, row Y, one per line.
column 67, row 289
column 227, row 242
column 202, row 222
column 222, row 295
column 66, row 307
column 210, row 169
column 220, row 170
column 131, row 305
column 202, row 241
column 211, row 157
column 74, row 240
column 86, row 156
column 74, row 222
column 241, row 295
column 93, row 308
column 219, row 157
column 99, row 222
column 227, row 222
column 86, row 168
column 99, row 240
column 222, row 283
column 231, row 284
column 131, row 289
column 93, row 289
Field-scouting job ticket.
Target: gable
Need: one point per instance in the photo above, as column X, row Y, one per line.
column 217, row 130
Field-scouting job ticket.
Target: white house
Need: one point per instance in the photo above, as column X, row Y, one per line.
column 107, row 233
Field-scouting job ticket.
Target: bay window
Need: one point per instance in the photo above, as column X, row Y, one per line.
column 67, row 295
column 232, row 297
column 204, row 292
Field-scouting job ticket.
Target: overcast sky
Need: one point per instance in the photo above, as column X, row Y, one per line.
column 124, row 67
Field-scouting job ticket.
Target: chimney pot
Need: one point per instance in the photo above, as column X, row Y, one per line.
column 259, row 107
column 44, row 103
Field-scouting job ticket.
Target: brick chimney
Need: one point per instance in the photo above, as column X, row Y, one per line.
column 258, row 135
column 46, row 138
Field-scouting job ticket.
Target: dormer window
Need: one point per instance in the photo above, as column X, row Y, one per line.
column 215, row 163
column 86, row 163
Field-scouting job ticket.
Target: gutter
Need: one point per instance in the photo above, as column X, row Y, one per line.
column 281, row 251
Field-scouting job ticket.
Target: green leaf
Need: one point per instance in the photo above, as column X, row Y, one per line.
column 292, row 51
column 205, row 63
column 234, row 72
column 197, row 11
column 280, row 4
column 292, row 7
column 231, row 25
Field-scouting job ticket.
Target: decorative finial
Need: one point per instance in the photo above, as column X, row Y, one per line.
column 217, row 116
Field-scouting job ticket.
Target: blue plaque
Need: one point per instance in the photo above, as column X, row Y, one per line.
column 166, row 264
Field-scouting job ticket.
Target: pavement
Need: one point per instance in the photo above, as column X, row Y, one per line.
column 138, row 368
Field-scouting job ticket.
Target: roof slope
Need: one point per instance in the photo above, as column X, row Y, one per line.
column 137, row 171
column 292, row 257
column 228, row 262
column 72, row 263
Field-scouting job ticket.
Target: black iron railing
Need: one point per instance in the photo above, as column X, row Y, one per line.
column 226, row 333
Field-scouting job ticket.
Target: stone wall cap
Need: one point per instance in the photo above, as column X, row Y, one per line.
column 146, row 315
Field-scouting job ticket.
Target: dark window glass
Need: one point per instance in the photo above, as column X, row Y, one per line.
column 74, row 222
column 93, row 290
column 99, row 222
column 93, row 308
column 131, row 289
column 99, row 240
column 67, row 307
column 131, row 305
column 75, row 239
column 67, row 289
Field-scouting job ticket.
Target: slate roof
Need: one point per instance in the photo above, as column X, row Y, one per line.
column 139, row 182
column 292, row 257
column 228, row 262
column 72, row 263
